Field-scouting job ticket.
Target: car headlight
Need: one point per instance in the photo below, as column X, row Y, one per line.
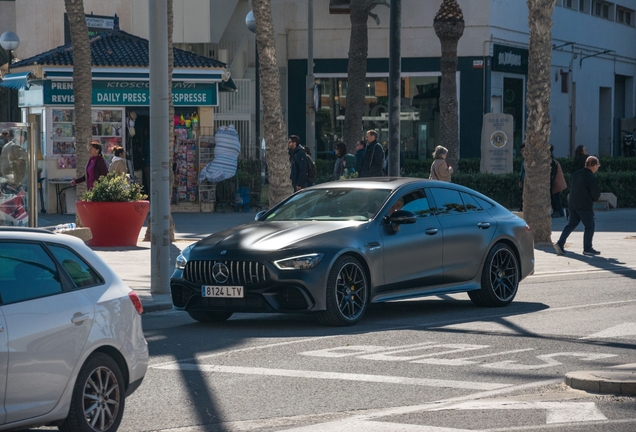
column 182, row 259
column 302, row 262
column 181, row 262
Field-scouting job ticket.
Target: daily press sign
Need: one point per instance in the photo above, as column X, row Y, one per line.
column 131, row 93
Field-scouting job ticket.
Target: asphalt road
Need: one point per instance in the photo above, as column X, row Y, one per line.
column 438, row 364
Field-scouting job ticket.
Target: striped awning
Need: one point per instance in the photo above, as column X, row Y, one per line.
column 16, row 81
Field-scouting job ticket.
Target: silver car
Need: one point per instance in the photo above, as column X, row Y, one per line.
column 334, row 248
column 71, row 341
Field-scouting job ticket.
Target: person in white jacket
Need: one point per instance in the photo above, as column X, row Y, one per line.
column 118, row 164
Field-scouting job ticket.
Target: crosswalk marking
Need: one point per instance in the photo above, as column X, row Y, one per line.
column 385, row 379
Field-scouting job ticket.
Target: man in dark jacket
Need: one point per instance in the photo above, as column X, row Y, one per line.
column 584, row 191
column 374, row 157
column 298, row 162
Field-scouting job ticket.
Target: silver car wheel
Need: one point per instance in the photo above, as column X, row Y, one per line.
column 102, row 397
column 504, row 274
column 98, row 398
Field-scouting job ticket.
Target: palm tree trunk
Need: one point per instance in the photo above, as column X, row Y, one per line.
column 449, row 28
column 274, row 129
column 536, row 192
column 82, row 86
column 356, row 72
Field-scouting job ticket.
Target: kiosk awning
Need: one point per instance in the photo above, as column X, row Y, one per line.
column 16, row 80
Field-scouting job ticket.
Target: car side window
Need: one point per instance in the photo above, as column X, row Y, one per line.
column 417, row 203
column 448, row 201
column 471, row 203
column 82, row 274
column 483, row 203
column 26, row 272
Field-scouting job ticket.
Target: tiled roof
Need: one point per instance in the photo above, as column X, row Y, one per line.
column 116, row 48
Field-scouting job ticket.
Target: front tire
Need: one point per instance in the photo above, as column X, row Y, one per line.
column 347, row 293
column 209, row 317
column 499, row 278
column 97, row 404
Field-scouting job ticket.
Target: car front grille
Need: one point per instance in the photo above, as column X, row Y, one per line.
column 243, row 273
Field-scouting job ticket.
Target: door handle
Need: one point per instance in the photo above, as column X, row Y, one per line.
column 431, row 231
column 373, row 245
column 79, row 318
column 483, row 225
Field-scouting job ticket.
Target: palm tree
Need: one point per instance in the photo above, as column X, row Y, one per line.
column 360, row 11
column 449, row 28
column 536, row 191
column 82, row 85
column 274, row 129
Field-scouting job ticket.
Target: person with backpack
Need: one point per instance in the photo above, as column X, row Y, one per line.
column 298, row 162
column 312, row 171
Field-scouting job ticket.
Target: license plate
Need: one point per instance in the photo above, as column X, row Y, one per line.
column 222, row 291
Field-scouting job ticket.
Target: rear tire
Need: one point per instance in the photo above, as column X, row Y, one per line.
column 499, row 278
column 347, row 293
column 209, row 317
column 98, row 397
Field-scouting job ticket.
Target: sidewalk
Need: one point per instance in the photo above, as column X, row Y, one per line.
column 615, row 237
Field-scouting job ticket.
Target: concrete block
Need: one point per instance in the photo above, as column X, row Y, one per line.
column 83, row 234
column 610, row 198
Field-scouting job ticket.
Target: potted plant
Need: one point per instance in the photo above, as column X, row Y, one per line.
column 114, row 210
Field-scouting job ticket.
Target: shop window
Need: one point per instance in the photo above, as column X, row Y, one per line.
column 584, row 6
column 419, row 120
column 570, row 4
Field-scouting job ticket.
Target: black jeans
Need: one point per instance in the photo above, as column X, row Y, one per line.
column 557, row 206
column 576, row 216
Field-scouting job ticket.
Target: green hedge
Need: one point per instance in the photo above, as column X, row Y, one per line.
column 617, row 175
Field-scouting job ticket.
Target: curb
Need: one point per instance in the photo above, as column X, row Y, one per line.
column 619, row 380
column 155, row 307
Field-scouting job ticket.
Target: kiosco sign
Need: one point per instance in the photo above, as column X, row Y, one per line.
column 131, row 93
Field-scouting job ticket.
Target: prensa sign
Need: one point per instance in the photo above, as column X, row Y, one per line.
column 131, row 93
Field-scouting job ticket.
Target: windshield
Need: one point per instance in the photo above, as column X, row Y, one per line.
column 331, row 204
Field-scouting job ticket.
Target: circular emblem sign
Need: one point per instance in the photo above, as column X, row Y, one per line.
column 499, row 139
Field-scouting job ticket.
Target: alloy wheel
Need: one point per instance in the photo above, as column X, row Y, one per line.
column 351, row 290
column 504, row 274
column 101, row 399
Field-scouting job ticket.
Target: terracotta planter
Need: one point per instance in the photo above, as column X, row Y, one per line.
column 113, row 223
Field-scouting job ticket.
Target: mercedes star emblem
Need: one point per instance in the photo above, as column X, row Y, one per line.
column 220, row 273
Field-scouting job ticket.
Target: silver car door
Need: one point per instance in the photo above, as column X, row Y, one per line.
column 47, row 331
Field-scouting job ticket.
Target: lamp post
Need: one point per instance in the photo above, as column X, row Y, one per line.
column 9, row 42
column 250, row 23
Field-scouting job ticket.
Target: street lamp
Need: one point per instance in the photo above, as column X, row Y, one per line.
column 9, row 42
column 250, row 23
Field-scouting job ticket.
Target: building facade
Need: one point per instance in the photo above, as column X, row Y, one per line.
column 592, row 71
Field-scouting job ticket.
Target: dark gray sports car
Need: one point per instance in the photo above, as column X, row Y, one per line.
column 333, row 248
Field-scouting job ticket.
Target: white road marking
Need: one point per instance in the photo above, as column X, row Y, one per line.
column 625, row 329
column 558, row 412
column 391, row 356
column 352, row 350
column 385, row 379
column 547, row 359
column 465, row 361
column 372, row 426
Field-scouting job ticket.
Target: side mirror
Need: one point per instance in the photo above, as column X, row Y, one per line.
column 259, row 214
column 401, row 217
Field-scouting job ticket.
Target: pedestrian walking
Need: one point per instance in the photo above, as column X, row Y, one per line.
column 298, row 162
column 340, row 150
column 118, row 164
column 440, row 169
column 95, row 167
column 557, row 185
column 312, row 171
column 373, row 158
column 584, row 191
column 522, row 172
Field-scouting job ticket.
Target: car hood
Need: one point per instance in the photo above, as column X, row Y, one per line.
column 273, row 236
